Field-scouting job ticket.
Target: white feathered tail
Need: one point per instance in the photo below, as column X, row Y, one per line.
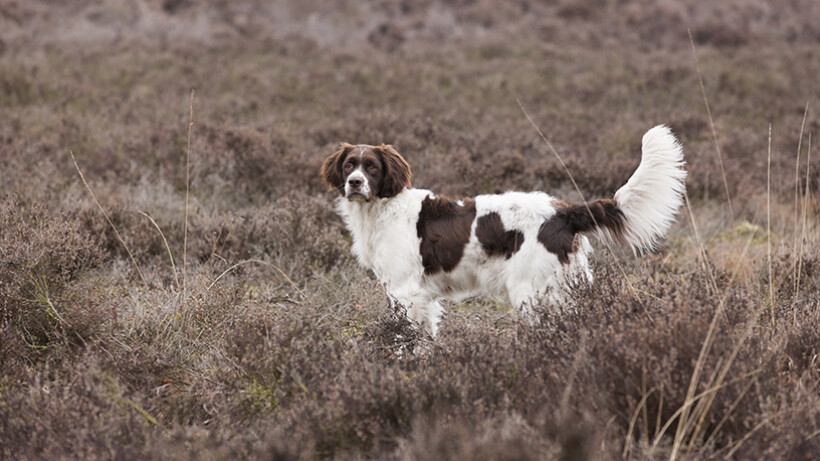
column 651, row 198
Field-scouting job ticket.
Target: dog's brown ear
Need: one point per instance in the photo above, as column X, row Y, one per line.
column 332, row 174
column 396, row 172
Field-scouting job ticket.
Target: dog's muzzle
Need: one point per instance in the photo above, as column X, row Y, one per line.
column 357, row 188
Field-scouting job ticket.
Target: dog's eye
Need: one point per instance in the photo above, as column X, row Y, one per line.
column 348, row 166
column 372, row 168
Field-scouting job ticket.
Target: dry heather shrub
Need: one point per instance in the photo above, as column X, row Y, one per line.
column 283, row 357
column 791, row 433
column 376, row 127
column 802, row 332
column 137, row 231
column 505, row 436
column 394, row 334
column 785, row 269
column 42, row 254
column 787, row 392
column 256, row 161
column 300, row 233
column 17, row 87
column 658, row 350
column 337, row 389
column 88, row 413
column 329, row 390
column 83, row 409
column 718, row 34
column 632, row 350
column 348, row 396
column 162, row 345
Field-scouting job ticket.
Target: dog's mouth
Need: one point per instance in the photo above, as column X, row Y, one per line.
column 357, row 197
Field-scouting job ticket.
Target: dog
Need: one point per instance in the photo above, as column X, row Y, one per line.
column 520, row 246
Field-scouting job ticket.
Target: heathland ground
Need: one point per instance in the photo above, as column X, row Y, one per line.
column 228, row 320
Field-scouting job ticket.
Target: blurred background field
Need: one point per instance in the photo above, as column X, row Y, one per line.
column 280, row 346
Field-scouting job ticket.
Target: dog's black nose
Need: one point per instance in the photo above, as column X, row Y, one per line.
column 355, row 182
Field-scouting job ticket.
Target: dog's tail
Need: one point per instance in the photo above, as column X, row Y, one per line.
column 642, row 210
column 651, row 198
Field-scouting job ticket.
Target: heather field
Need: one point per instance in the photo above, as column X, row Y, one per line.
column 143, row 319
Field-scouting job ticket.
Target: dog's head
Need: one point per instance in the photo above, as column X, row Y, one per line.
column 365, row 172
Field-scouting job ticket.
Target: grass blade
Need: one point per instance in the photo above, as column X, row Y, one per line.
column 116, row 232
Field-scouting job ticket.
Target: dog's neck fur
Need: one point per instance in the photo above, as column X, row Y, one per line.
column 384, row 229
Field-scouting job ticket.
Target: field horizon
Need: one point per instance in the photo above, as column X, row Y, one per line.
column 175, row 282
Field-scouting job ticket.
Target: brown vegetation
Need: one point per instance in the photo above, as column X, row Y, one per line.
column 280, row 346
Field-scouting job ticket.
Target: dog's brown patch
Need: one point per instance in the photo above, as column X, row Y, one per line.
column 444, row 229
column 333, row 175
column 494, row 239
column 557, row 234
column 396, row 171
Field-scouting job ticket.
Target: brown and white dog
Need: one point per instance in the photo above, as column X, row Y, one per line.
column 519, row 246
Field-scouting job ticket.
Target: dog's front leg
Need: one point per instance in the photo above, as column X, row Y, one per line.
column 423, row 311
